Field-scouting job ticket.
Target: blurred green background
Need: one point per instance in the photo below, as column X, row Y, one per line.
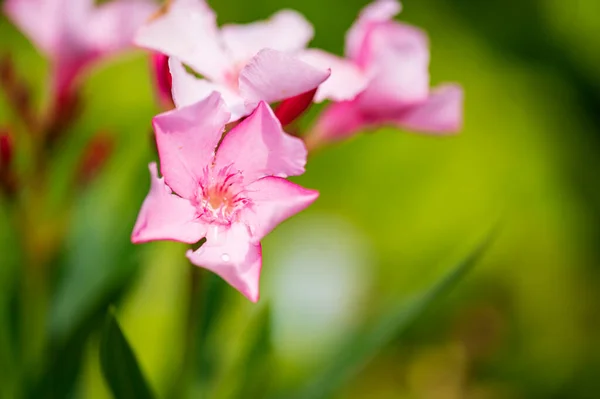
column 395, row 209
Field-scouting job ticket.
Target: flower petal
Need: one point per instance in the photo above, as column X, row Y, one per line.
column 285, row 30
column 188, row 31
column 165, row 216
column 346, row 79
column 230, row 253
column 441, row 113
column 338, row 121
column 274, row 76
column 396, row 57
column 274, row 199
column 377, row 11
column 112, row 26
column 186, row 139
column 189, row 89
column 259, row 147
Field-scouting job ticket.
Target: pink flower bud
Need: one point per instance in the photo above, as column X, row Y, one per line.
column 162, row 79
column 94, row 157
column 7, row 177
column 6, row 150
column 289, row 110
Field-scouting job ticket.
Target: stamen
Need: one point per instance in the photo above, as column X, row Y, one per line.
column 221, row 195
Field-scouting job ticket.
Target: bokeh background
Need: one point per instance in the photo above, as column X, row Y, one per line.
column 395, row 210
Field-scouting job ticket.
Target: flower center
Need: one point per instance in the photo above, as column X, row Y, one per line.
column 221, row 196
column 232, row 77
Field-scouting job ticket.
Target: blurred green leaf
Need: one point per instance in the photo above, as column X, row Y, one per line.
column 60, row 374
column 365, row 345
column 256, row 366
column 119, row 365
column 9, row 273
column 100, row 258
column 99, row 255
column 213, row 299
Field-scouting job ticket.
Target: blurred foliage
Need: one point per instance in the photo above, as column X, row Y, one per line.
column 523, row 325
column 119, row 365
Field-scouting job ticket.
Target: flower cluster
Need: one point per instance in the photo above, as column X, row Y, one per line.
column 224, row 155
column 232, row 190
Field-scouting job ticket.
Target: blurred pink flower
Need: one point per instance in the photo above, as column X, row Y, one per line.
column 392, row 59
column 74, row 33
column 245, row 63
column 233, row 193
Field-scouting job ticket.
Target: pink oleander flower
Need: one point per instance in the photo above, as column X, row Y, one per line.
column 392, row 60
column 245, row 63
column 233, row 193
column 75, row 33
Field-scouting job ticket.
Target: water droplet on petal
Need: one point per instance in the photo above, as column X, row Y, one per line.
column 225, row 258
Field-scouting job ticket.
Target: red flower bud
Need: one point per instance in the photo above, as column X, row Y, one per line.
column 6, row 150
column 162, row 79
column 290, row 109
column 94, row 157
column 7, row 177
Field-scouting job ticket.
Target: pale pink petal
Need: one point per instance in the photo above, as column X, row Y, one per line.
column 165, row 216
column 273, row 200
column 258, row 147
column 339, row 121
column 441, row 113
column 397, row 60
column 274, row 76
column 40, row 21
column 346, row 79
column 377, row 11
column 188, row 89
column 186, row 139
column 188, row 31
column 286, row 30
column 112, row 26
column 230, row 253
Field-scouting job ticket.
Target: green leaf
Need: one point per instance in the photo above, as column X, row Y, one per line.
column 99, row 257
column 63, row 365
column 61, row 371
column 365, row 345
column 256, row 371
column 212, row 302
column 119, row 365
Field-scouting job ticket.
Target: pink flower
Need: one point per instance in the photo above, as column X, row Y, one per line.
column 233, row 193
column 392, row 59
column 74, row 33
column 245, row 63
